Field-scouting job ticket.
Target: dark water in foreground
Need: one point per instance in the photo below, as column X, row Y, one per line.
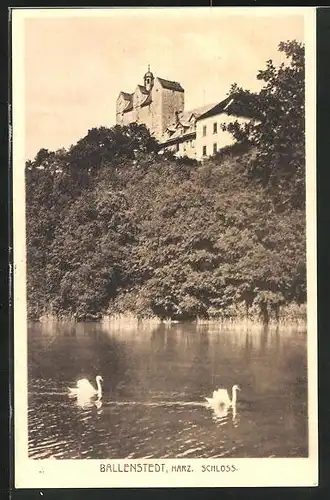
column 155, row 381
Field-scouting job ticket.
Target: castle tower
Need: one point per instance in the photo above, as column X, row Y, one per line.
column 148, row 80
column 153, row 104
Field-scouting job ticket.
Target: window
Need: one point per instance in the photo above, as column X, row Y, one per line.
column 204, row 130
column 204, row 151
column 177, row 146
column 215, row 128
column 215, row 149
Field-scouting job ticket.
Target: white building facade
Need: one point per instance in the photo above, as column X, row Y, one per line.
column 200, row 134
column 210, row 138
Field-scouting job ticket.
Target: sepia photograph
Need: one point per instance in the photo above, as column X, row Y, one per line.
column 164, row 247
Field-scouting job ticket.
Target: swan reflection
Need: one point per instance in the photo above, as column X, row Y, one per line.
column 224, row 407
column 88, row 402
column 98, row 403
column 223, row 415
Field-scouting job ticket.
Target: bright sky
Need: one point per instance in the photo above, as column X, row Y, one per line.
column 75, row 67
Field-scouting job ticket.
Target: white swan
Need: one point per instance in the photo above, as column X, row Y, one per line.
column 221, row 398
column 85, row 390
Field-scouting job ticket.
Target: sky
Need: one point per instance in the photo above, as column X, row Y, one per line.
column 75, row 67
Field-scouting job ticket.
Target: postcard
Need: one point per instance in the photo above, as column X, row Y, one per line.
column 164, row 269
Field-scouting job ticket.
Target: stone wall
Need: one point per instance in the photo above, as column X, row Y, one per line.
column 126, row 118
column 157, row 115
column 156, row 111
column 172, row 102
column 144, row 116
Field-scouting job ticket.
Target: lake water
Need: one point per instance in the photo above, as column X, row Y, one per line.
column 156, row 378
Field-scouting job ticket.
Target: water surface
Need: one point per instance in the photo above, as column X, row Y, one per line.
column 156, row 379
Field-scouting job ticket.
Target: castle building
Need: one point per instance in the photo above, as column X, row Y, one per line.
column 153, row 104
column 197, row 134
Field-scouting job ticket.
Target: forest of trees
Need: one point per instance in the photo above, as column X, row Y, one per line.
column 113, row 227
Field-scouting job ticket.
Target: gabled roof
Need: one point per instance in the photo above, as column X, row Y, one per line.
column 170, row 85
column 185, row 124
column 177, row 138
column 147, row 101
column 128, row 108
column 170, row 131
column 129, row 100
column 184, row 118
column 126, row 95
column 179, row 131
column 197, row 112
column 240, row 104
column 143, row 89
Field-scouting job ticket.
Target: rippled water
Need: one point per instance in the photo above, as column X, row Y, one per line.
column 156, row 379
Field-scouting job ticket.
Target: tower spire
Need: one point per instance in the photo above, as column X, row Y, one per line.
column 148, row 79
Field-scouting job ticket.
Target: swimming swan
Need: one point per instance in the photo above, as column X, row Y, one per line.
column 85, row 389
column 222, row 399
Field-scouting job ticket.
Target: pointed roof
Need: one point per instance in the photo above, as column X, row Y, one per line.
column 185, row 124
column 177, row 136
column 171, row 128
column 183, row 118
column 128, row 108
column 197, row 112
column 126, row 95
column 147, row 101
column 148, row 73
column 143, row 89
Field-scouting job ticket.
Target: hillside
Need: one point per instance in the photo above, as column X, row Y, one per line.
column 115, row 228
column 156, row 236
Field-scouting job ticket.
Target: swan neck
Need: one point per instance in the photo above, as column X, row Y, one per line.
column 234, row 396
column 99, row 387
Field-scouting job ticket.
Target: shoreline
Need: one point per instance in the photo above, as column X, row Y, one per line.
column 134, row 321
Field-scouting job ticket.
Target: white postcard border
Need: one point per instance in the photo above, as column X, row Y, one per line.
column 43, row 474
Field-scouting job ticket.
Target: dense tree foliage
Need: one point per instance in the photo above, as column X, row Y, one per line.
column 279, row 136
column 114, row 227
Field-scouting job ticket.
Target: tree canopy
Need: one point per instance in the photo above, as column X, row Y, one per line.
column 279, row 136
